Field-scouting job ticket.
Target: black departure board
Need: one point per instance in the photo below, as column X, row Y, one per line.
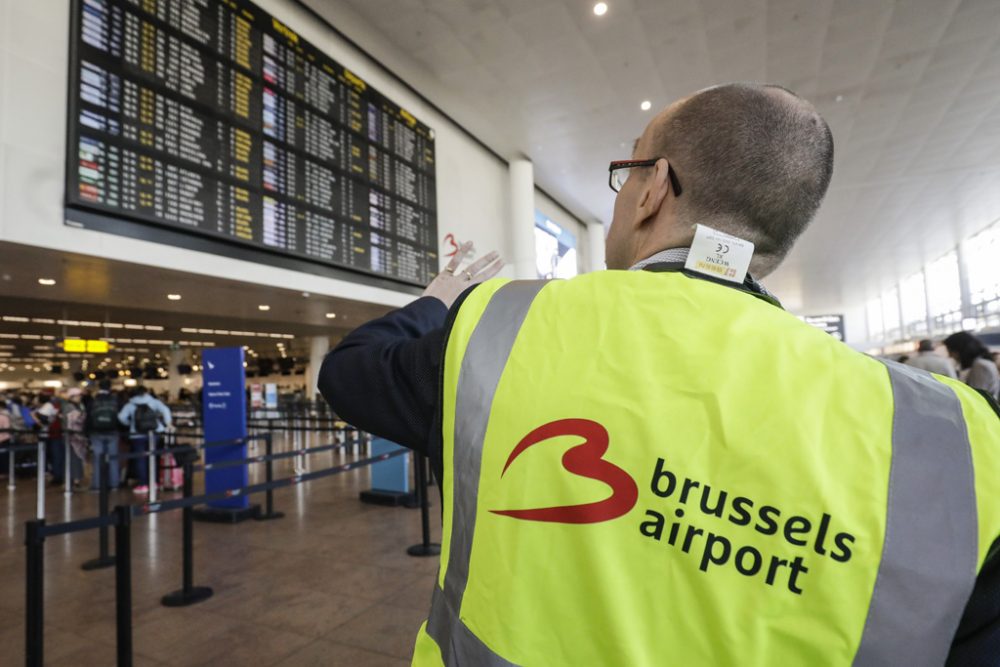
column 213, row 117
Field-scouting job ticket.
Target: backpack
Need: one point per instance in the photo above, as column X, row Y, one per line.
column 55, row 430
column 17, row 418
column 104, row 414
column 75, row 421
column 145, row 419
column 5, row 426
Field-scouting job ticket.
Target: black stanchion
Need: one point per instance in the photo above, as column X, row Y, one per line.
column 190, row 593
column 34, row 541
column 426, row 547
column 268, row 512
column 104, row 558
column 123, row 584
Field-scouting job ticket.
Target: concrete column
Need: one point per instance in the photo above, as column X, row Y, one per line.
column 174, row 380
column 522, row 218
column 318, row 347
column 595, row 247
column 927, row 304
column 968, row 311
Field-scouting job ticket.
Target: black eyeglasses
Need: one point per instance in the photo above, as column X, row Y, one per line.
column 618, row 172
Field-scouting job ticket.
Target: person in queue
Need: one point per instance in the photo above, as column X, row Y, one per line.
column 656, row 464
column 103, row 427
column 979, row 371
column 929, row 360
column 147, row 418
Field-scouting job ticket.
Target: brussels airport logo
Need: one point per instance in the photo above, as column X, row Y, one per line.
column 758, row 540
column 584, row 460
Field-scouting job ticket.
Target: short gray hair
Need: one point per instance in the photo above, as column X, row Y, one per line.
column 753, row 160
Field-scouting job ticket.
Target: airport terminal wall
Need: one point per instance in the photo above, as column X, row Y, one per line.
column 473, row 185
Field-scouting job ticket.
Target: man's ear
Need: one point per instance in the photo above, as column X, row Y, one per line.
column 654, row 191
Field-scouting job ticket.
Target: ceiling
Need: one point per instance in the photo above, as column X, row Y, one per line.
column 91, row 293
column 911, row 89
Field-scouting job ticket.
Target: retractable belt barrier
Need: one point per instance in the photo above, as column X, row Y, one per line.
column 36, row 532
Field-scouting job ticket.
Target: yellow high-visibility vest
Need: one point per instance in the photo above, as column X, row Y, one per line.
column 650, row 469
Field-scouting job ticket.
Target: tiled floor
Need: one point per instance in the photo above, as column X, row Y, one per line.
column 329, row 584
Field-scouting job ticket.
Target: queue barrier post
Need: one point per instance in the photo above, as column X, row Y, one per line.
column 123, row 584
column 268, row 512
column 67, row 468
column 151, row 467
column 40, row 469
column 11, row 484
column 189, row 593
column 104, row 558
column 426, row 547
column 34, row 542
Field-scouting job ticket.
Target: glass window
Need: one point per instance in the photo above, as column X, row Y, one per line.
column 944, row 294
column 890, row 314
column 982, row 259
column 555, row 249
column 876, row 330
column 913, row 299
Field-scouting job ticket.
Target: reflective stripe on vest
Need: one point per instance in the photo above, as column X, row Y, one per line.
column 928, row 566
column 927, row 569
column 484, row 361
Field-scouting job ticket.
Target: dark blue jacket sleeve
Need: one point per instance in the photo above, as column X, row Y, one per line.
column 384, row 377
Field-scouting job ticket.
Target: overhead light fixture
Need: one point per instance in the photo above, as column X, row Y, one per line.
column 601, row 8
column 48, row 282
column 174, row 297
column 330, row 316
column 646, row 105
column 263, row 306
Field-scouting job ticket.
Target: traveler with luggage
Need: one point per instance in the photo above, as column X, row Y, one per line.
column 143, row 414
column 103, row 427
column 74, row 424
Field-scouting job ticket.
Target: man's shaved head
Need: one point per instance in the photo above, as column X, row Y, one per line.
column 752, row 160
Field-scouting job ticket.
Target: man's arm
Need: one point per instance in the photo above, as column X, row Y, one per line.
column 125, row 414
column 383, row 377
column 977, row 641
column 165, row 413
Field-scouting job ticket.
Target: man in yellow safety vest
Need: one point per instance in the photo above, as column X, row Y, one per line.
column 657, row 465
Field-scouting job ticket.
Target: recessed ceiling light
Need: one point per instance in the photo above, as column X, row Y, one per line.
column 646, row 105
column 174, row 297
column 305, row 294
column 46, row 281
column 601, row 8
column 263, row 306
column 330, row 316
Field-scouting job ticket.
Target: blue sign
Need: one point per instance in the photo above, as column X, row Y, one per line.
column 224, row 408
column 391, row 475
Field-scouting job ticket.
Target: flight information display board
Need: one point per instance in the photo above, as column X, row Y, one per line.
column 213, row 117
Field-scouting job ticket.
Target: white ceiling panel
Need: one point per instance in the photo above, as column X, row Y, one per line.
column 911, row 89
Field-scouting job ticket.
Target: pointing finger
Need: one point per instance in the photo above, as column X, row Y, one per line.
column 482, row 262
column 490, row 271
column 456, row 259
